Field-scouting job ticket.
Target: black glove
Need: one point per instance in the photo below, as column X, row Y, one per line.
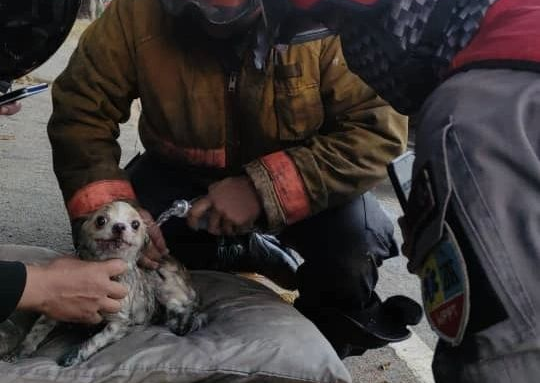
column 259, row 253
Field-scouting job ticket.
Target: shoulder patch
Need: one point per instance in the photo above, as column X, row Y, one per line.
column 445, row 289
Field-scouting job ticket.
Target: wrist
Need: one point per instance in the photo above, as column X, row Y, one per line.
column 33, row 296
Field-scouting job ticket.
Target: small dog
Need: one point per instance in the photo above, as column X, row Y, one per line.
column 118, row 231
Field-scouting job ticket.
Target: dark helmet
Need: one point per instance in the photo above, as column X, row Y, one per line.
column 219, row 12
column 31, row 31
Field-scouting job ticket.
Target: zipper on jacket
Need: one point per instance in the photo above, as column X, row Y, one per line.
column 233, row 79
column 233, row 135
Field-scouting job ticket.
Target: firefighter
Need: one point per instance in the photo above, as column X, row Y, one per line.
column 279, row 140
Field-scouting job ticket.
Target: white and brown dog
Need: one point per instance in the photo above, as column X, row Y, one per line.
column 118, row 231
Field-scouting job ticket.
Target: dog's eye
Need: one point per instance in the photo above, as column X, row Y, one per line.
column 135, row 225
column 101, row 221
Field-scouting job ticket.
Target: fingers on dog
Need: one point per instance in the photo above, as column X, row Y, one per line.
column 156, row 238
column 154, row 232
column 88, row 317
column 148, row 263
column 116, row 290
column 115, row 267
column 153, row 253
column 110, row 306
column 152, row 257
column 94, row 318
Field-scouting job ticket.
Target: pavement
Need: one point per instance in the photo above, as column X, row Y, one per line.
column 33, row 214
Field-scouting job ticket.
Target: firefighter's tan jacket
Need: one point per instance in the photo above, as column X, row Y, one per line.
column 308, row 132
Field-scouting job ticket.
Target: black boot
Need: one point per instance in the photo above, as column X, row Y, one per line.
column 258, row 253
column 352, row 332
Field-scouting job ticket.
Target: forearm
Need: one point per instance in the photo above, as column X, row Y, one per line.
column 90, row 99
column 327, row 171
column 360, row 136
column 352, row 159
column 345, row 157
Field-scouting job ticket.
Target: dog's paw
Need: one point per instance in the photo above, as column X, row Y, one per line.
column 8, row 341
column 70, row 358
column 177, row 325
column 10, row 358
column 24, row 351
column 182, row 324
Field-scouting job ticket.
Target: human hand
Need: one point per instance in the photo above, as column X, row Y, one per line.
column 71, row 290
column 10, row 109
column 231, row 206
column 157, row 248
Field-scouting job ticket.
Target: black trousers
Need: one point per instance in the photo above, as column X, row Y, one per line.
column 342, row 247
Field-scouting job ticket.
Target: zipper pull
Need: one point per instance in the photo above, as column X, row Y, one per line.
column 233, row 78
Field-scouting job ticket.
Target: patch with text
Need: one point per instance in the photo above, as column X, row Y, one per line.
column 445, row 289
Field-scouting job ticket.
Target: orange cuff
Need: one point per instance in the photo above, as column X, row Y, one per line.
column 92, row 196
column 288, row 186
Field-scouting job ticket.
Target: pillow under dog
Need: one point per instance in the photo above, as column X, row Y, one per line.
column 251, row 336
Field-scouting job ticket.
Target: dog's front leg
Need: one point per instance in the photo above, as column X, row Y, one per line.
column 175, row 293
column 37, row 334
column 111, row 333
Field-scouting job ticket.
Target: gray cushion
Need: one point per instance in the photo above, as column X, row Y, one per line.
column 251, row 336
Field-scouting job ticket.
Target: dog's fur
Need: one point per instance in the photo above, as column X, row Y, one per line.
column 117, row 231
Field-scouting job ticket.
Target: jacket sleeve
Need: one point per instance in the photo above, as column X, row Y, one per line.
column 347, row 157
column 90, row 98
column 12, row 284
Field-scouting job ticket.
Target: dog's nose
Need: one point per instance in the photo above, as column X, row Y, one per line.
column 118, row 228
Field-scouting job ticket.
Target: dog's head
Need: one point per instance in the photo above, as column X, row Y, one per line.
column 116, row 230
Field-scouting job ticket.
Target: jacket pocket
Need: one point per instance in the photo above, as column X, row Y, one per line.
column 298, row 105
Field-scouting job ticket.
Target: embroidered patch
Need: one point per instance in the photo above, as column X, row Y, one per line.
column 445, row 289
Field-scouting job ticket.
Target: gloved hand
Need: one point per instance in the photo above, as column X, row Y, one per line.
column 281, row 262
column 259, row 253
